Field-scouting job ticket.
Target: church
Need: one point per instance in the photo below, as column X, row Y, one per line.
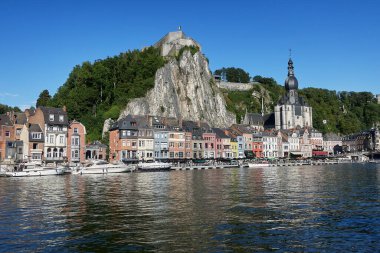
column 291, row 110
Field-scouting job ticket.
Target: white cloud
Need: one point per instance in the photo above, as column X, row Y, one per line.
column 7, row 94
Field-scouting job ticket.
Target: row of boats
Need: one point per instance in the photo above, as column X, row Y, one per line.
column 94, row 167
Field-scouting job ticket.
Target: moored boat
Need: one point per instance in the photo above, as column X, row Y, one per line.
column 154, row 165
column 102, row 167
column 34, row 169
column 257, row 165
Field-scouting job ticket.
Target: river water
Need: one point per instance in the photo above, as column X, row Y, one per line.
column 313, row 208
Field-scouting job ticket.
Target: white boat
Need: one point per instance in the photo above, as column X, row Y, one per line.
column 3, row 170
column 257, row 165
column 34, row 169
column 154, row 165
column 102, row 167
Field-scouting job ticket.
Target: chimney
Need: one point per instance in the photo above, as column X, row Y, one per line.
column 64, row 108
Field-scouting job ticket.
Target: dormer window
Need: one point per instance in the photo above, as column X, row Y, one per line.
column 36, row 135
column 51, row 117
column 76, row 130
column 60, row 118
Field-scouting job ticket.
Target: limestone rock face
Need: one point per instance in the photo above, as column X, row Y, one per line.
column 184, row 88
column 106, row 126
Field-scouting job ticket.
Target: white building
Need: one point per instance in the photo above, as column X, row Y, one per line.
column 330, row 141
column 270, row 145
column 54, row 125
column 306, row 147
column 145, row 148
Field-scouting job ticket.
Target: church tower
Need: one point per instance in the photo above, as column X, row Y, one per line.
column 291, row 110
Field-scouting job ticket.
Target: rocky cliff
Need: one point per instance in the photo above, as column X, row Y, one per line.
column 184, row 88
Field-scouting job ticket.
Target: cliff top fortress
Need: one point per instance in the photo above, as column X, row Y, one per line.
column 172, row 42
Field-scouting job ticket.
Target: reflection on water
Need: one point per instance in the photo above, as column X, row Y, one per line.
column 335, row 208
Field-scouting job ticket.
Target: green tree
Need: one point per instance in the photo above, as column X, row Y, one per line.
column 43, row 99
column 236, row 75
column 96, row 91
column 6, row 108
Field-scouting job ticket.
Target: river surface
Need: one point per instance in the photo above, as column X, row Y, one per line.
column 288, row 209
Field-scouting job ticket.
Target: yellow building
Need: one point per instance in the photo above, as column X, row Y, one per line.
column 234, row 148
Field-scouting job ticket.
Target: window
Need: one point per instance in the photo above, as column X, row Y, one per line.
column 7, row 133
column 75, row 130
column 51, row 117
column 55, row 152
column 124, row 143
column 36, row 135
column 171, row 154
column 62, row 139
column 134, row 144
column 74, row 141
column 36, row 156
column 51, row 139
column 60, row 118
column 180, row 154
column 18, row 131
column 35, row 145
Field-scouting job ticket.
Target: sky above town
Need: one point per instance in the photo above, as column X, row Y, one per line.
column 335, row 43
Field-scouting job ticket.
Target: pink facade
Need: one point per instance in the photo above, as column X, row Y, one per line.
column 209, row 145
column 218, row 147
column 76, row 142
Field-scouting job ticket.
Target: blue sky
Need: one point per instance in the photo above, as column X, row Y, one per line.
column 335, row 44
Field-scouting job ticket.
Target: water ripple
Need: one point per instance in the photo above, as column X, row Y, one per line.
column 316, row 209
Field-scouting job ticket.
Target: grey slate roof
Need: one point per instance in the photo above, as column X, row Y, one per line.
column 96, row 145
column 254, row 118
column 5, row 120
column 220, row 133
column 35, row 128
column 56, row 112
column 332, row 137
column 20, row 118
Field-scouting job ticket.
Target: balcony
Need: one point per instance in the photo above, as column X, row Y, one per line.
column 54, row 158
column 36, row 151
